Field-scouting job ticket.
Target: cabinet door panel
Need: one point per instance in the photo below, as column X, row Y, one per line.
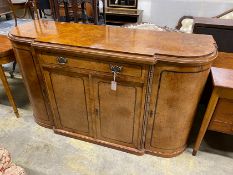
column 119, row 113
column 178, row 94
column 70, row 100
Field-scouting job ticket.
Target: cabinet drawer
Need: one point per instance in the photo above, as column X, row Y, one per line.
column 222, row 119
column 82, row 63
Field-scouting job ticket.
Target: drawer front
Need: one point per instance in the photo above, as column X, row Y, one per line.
column 222, row 120
column 100, row 66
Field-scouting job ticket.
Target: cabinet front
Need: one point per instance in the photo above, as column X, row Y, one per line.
column 85, row 103
column 118, row 112
column 69, row 97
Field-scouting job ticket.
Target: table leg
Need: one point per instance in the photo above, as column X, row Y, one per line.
column 8, row 91
column 206, row 120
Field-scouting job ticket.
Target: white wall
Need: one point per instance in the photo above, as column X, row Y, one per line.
column 168, row 12
column 145, row 5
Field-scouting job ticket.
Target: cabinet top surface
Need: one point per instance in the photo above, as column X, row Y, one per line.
column 116, row 39
column 222, row 77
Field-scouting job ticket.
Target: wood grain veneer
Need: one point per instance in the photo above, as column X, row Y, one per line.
column 66, row 69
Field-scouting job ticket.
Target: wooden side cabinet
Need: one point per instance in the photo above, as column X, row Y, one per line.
column 68, row 70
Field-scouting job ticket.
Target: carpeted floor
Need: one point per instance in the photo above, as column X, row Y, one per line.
column 41, row 152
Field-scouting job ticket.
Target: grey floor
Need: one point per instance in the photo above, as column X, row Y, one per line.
column 41, row 152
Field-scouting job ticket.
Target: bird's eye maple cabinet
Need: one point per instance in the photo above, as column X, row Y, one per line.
column 69, row 72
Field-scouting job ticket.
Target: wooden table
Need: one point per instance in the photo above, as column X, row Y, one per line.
column 68, row 72
column 218, row 115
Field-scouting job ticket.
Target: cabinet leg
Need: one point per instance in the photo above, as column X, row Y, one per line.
column 206, row 120
column 8, row 91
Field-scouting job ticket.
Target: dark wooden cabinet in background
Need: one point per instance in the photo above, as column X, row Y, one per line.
column 220, row 29
column 120, row 12
column 115, row 16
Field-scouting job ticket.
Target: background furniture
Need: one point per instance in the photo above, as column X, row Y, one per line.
column 185, row 23
column 219, row 113
column 220, row 29
column 115, row 16
column 151, row 109
column 4, row 8
column 120, row 12
column 43, row 5
column 7, row 56
column 123, row 3
column 218, row 116
column 26, row 6
column 85, row 11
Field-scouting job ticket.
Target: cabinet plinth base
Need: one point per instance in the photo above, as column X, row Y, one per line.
column 100, row 142
column 167, row 153
column 42, row 123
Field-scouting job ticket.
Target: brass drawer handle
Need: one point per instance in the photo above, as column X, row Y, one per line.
column 115, row 69
column 62, row 60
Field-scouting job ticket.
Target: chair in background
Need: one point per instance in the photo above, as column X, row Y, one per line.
column 5, row 8
column 85, row 11
column 43, row 5
column 7, row 56
column 29, row 7
column 185, row 23
column 26, row 5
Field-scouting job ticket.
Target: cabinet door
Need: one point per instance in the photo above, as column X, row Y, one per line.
column 118, row 113
column 69, row 98
column 175, row 96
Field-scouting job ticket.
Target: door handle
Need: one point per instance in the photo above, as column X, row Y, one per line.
column 115, row 68
column 62, row 60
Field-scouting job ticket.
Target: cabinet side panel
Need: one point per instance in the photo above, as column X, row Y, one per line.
column 32, row 83
column 175, row 108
